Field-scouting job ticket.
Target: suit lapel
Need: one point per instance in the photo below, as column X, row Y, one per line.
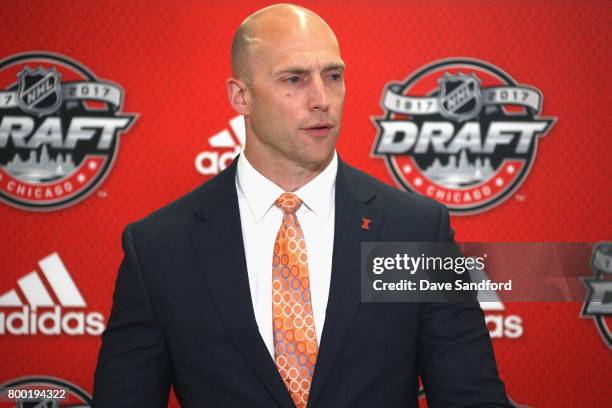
column 217, row 239
column 353, row 204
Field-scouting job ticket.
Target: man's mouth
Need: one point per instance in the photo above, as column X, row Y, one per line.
column 318, row 129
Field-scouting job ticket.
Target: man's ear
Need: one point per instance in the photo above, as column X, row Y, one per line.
column 236, row 91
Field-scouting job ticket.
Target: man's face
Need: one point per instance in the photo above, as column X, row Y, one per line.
column 296, row 95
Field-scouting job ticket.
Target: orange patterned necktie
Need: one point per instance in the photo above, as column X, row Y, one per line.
column 295, row 338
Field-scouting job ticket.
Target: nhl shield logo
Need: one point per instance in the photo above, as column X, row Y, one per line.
column 40, row 91
column 459, row 96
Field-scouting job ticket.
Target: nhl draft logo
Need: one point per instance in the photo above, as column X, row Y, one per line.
column 598, row 303
column 59, row 130
column 462, row 132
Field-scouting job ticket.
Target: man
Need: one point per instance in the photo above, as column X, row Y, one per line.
column 246, row 292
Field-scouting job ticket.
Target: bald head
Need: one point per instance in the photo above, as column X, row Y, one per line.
column 266, row 26
column 288, row 83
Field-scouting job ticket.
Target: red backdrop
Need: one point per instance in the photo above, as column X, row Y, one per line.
column 172, row 60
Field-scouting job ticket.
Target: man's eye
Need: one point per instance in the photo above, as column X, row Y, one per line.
column 294, row 79
column 335, row 77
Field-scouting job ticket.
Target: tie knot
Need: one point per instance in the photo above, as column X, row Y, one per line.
column 288, row 203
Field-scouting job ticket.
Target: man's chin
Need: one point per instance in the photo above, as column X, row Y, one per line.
column 316, row 160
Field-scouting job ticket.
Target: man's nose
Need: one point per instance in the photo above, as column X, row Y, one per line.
column 318, row 98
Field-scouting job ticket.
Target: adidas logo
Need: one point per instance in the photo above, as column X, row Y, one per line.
column 499, row 326
column 34, row 296
column 211, row 162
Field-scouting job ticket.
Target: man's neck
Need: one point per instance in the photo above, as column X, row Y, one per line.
column 288, row 175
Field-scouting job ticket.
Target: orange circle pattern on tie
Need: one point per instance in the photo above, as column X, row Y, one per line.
column 295, row 341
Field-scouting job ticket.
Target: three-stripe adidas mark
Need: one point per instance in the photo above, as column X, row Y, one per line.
column 38, row 312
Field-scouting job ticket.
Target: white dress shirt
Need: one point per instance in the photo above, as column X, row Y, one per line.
column 261, row 220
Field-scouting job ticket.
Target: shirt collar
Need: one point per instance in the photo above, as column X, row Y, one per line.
column 260, row 193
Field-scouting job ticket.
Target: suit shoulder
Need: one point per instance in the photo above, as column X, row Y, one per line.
column 393, row 197
column 177, row 214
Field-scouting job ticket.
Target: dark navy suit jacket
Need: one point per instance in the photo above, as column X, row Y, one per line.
column 182, row 314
